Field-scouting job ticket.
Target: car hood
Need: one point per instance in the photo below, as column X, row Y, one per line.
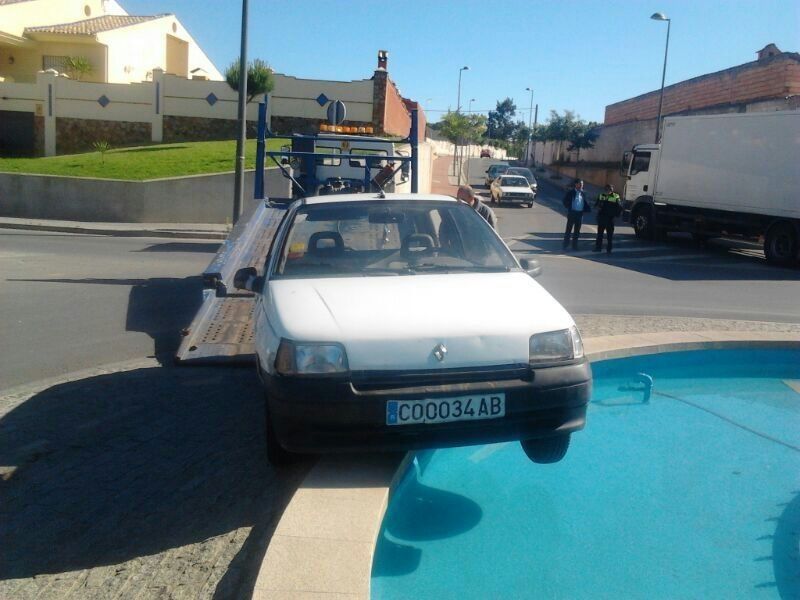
column 394, row 323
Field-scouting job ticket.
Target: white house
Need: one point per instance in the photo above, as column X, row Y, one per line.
column 37, row 35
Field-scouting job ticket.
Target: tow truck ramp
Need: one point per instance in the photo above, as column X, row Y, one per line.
column 222, row 330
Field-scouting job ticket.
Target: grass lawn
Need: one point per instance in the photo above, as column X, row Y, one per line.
column 145, row 162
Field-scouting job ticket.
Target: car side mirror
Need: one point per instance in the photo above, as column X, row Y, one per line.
column 532, row 266
column 247, row 278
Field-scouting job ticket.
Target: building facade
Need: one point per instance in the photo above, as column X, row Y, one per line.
column 37, row 35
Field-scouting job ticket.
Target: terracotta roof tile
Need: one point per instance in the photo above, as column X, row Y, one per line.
column 92, row 26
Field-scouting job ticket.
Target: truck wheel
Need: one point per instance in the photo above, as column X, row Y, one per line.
column 546, row 451
column 277, row 456
column 780, row 244
column 642, row 221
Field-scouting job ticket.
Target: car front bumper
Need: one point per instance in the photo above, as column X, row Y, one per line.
column 322, row 415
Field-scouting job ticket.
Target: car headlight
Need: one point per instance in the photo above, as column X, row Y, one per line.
column 556, row 346
column 297, row 358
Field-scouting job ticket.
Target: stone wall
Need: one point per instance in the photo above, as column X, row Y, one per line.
column 203, row 129
column 78, row 135
column 774, row 77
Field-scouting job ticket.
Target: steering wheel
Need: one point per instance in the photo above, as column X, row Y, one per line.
column 417, row 245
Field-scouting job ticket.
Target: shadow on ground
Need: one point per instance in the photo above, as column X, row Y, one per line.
column 130, row 465
column 159, row 307
column 203, row 247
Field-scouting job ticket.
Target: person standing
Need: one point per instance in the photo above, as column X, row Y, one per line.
column 576, row 203
column 609, row 206
column 467, row 194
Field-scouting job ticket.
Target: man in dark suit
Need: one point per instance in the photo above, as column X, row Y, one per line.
column 576, row 203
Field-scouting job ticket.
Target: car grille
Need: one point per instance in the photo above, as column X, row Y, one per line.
column 368, row 381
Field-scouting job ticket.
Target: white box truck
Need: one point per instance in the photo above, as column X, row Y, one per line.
column 720, row 175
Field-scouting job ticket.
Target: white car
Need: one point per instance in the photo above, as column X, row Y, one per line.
column 512, row 188
column 372, row 332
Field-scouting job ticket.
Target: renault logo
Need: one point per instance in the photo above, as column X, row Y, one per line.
column 439, row 351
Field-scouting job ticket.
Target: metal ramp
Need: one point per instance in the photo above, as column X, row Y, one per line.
column 222, row 330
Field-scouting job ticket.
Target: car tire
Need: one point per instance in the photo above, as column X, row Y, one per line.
column 277, row 455
column 780, row 244
column 642, row 221
column 545, row 451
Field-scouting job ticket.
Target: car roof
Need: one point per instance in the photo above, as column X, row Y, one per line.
column 332, row 198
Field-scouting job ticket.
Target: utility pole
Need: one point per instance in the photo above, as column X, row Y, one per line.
column 535, row 123
column 238, row 186
column 661, row 17
column 530, row 131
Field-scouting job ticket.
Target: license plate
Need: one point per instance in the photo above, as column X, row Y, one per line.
column 446, row 410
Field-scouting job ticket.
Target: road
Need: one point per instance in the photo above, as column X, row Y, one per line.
column 677, row 278
column 76, row 301
column 72, row 302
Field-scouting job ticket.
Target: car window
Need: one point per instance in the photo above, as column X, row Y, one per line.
column 389, row 238
column 514, row 182
column 526, row 173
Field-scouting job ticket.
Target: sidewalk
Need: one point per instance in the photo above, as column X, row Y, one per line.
column 208, row 231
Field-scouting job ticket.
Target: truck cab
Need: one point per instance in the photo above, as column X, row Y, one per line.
column 639, row 169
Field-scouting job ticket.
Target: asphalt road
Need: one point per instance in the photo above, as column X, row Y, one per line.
column 679, row 277
column 70, row 302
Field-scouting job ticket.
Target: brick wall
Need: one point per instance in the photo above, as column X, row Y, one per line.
column 773, row 77
column 396, row 120
column 78, row 135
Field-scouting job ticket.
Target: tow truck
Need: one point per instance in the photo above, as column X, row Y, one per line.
column 353, row 303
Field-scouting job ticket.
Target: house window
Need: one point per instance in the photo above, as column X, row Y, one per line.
column 53, row 62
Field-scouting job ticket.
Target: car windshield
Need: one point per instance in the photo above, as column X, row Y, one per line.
column 387, row 237
column 514, row 182
column 526, row 173
column 497, row 169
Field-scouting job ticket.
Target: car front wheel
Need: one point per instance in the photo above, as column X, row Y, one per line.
column 546, row 451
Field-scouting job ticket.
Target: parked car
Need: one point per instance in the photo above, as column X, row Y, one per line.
column 494, row 171
column 526, row 173
column 485, row 153
column 366, row 336
column 512, row 188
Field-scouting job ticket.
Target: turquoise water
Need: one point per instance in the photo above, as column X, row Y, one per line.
column 693, row 494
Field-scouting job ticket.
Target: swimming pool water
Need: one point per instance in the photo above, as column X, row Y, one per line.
column 693, row 494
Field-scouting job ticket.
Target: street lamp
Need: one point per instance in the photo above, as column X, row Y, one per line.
column 662, row 17
column 530, row 131
column 471, row 100
column 458, row 104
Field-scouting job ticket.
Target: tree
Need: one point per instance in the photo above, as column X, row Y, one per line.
column 260, row 79
column 583, row 136
column 500, row 124
column 77, row 66
column 559, row 129
column 461, row 129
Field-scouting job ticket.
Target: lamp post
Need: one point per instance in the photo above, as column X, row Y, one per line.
column 238, row 185
column 530, row 131
column 471, row 100
column 662, row 17
column 458, row 104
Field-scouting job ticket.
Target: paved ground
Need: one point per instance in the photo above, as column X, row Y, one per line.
column 148, row 482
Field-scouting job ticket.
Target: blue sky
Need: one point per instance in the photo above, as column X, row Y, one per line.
column 576, row 55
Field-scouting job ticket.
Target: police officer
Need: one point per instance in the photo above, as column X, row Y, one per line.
column 609, row 207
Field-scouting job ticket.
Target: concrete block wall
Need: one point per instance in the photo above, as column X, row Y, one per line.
column 194, row 199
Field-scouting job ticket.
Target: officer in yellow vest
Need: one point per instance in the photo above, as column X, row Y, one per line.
column 609, row 207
